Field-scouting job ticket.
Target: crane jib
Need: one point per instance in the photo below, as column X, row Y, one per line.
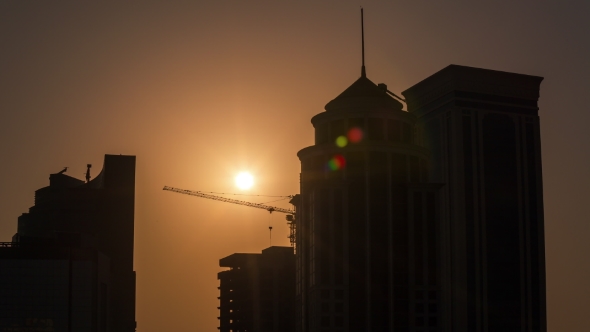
column 268, row 208
column 291, row 216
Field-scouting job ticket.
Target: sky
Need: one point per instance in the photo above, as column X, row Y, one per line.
column 200, row 91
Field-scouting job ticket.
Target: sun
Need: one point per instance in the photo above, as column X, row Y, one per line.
column 244, row 180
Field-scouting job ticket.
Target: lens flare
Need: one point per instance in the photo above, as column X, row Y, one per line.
column 341, row 141
column 244, row 180
column 355, row 135
column 336, row 163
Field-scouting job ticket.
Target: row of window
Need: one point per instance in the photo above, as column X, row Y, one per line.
column 420, row 321
column 430, row 321
column 325, row 294
column 338, row 307
column 373, row 129
column 338, row 321
column 422, row 308
column 424, row 295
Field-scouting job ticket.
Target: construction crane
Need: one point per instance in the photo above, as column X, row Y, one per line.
column 291, row 219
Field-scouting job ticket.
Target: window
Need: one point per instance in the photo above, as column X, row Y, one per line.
column 432, row 308
column 321, row 133
column 432, row 295
column 376, row 129
column 394, row 131
column 420, row 321
column 407, row 132
column 336, row 130
column 420, row 295
column 432, row 321
column 419, row 308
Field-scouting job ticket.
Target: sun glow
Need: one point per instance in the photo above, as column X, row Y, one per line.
column 244, row 180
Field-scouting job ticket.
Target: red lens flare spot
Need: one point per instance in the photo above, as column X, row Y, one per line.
column 337, row 162
column 355, row 135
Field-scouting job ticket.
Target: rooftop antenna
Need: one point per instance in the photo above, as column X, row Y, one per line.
column 363, row 72
column 88, row 172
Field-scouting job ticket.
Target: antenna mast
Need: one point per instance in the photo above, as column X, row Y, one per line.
column 363, row 72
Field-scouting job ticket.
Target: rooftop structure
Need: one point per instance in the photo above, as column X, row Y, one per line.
column 257, row 292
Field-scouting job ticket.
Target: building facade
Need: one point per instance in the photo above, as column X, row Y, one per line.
column 367, row 251
column 257, row 293
column 53, row 288
column 391, row 223
column 94, row 215
column 482, row 130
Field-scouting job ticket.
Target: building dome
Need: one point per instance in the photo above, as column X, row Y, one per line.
column 364, row 93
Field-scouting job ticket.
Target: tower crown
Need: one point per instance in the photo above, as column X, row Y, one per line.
column 363, row 93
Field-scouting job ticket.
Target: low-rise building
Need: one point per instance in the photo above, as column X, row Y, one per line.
column 257, row 293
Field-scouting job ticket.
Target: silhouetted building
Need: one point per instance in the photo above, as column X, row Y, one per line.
column 95, row 218
column 367, row 215
column 426, row 220
column 481, row 128
column 53, row 288
column 258, row 292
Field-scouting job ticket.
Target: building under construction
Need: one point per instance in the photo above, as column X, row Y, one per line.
column 257, row 293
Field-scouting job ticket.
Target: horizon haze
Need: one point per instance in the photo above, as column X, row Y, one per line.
column 200, row 92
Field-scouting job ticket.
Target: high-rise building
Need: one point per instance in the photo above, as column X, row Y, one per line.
column 428, row 219
column 481, row 128
column 257, row 293
column 367, row 218
column 93, row 216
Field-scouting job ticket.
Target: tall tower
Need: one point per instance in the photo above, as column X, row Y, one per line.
column 482, row 130
column 367, row 248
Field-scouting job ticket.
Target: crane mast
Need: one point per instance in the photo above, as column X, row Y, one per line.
column 291, row 219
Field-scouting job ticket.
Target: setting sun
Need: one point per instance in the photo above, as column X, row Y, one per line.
column 244, row 180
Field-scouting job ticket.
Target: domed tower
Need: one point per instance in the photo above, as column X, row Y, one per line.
column 366, row 245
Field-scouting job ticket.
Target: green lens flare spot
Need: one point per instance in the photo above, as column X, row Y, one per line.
column 341, row 141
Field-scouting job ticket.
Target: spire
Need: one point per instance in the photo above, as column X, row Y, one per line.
column 363, row 72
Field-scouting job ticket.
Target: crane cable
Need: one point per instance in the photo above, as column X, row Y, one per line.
column 276, row 200
column 270, row 229
column 212, row 192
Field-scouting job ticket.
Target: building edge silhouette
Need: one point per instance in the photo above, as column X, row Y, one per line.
column 483, row 132
column 85, row 219
column 257, row 293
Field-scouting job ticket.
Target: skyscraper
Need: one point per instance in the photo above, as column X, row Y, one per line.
column 481, row 128
column 365, row 190
column 428, row 219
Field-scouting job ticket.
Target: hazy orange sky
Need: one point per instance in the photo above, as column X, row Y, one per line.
column 199, row 91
